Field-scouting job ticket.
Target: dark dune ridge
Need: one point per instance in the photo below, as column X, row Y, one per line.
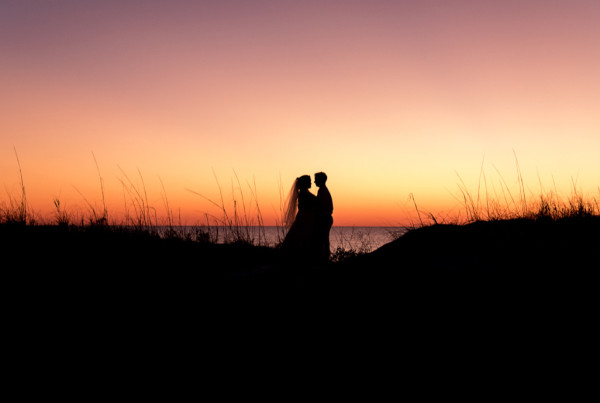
column 495, row 260
column 501, row 262
column 103, row 294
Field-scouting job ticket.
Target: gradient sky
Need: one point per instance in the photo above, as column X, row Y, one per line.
column 388, row 97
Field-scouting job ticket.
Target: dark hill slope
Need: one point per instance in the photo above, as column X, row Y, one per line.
column 498, row 262
column 508, row 262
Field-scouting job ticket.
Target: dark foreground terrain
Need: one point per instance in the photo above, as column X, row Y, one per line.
column 108, row 298
column 497, row 263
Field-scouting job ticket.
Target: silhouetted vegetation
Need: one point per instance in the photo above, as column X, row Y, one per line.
column 522, row 250
column 488, row 203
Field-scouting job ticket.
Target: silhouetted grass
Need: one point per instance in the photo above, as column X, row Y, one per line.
column 352, row 243
column 489, row 204
column 15, row 212
column 513, row 256
column 240, row 220
column 243, row 221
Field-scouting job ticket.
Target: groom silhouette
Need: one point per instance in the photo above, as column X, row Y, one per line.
column 323, row 218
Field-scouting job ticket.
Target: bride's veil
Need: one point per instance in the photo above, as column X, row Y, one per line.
column 291, row 205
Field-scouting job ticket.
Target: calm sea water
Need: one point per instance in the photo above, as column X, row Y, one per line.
column 364, row 239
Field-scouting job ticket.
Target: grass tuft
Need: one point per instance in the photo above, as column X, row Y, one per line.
column 511, row 205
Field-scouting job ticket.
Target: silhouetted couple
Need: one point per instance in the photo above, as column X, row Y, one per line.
column 309, row 219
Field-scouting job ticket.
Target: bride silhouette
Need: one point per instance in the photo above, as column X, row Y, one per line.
column 299, row 241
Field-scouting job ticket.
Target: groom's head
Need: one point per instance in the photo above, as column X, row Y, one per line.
column 320, row 179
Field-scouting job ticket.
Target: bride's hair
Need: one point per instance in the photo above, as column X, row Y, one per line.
column 291, row 204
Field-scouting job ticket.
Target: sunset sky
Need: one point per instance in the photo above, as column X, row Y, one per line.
column 389, row 98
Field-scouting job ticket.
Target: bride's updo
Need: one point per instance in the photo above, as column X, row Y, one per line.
column 303, row 182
